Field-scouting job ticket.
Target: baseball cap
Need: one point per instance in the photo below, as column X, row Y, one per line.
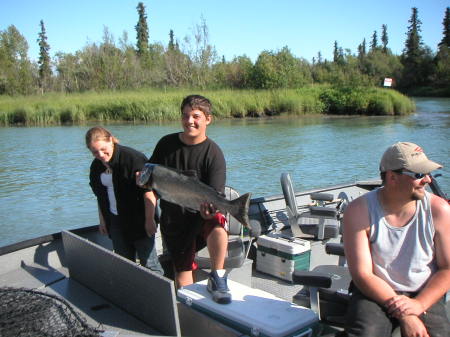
column 409, row 156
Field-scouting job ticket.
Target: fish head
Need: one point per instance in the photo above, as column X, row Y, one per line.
column 145, row 176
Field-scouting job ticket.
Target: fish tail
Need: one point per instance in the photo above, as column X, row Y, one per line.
column 241, row 206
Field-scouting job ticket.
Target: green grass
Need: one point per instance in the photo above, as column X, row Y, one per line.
column 155, row 105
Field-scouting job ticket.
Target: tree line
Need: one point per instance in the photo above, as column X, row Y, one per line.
column 194, row 62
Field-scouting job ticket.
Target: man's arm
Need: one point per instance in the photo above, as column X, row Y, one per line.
column 359, row 260
column 357, row 253
column 439, row 283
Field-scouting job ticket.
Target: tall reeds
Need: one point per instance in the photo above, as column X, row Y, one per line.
column 155, row 105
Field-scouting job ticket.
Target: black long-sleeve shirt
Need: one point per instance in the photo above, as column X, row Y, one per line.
column 125, row 162
column 204, row 161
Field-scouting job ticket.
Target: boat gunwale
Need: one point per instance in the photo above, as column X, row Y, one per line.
column 254, row 201
column 362, row 184
column 14, row 247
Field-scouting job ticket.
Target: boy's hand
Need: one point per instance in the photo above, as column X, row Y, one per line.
column 207, row 211
column 138, row 175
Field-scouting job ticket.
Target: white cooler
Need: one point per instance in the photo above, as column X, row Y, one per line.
column 252, row 311
column 280, row 256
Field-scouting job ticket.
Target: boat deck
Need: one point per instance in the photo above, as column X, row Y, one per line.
column 34, row 269
column 44, row 264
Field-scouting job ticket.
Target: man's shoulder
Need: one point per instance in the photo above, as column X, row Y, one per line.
column 356, row 211
column 166, row 142
column 212, row 144
column 360, row 202
column 169, row 137
column 439, row 206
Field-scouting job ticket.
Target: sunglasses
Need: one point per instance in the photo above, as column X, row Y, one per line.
column 414, row 175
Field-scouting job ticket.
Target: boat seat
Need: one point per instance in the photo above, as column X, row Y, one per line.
column 326, row 289
column 238, row 243
column 319, row 221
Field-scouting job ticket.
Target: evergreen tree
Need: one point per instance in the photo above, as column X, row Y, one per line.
column 384, row 38
column 335, row 52
column 341, row 58
column 362, row 50
column 445, row 42
column 45, row 71
column 415, row 58
column 171, row 40
column 413, row 44
column 442, row 60
column 319, row 58
column 142, row 31
column 374, row 42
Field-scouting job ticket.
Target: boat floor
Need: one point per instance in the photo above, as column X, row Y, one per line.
column 102, row 314
column 96, row 310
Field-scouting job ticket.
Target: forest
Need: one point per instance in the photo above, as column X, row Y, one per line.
column 193, row 63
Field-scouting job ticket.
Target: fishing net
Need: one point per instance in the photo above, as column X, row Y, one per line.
column 26, row 312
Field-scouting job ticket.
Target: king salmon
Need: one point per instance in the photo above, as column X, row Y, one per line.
column 189, row 192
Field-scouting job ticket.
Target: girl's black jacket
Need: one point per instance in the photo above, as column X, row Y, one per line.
column 125, row 162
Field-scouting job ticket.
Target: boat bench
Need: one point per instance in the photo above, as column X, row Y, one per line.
column 138, row 291
column 42, row 267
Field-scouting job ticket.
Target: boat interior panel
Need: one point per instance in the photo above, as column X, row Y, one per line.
column 137, row 290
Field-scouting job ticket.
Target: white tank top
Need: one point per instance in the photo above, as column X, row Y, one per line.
column 402, row 256
column 106, row 179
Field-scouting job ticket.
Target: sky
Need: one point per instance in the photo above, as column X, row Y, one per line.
column 236, row 28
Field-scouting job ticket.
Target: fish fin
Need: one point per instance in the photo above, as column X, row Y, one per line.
column 242, row 203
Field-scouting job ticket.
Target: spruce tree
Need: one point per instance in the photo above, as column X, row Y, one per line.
column 335, row 52
column 142, row 31
column 415, row 58
column 384, row 38
column 442, row 59
column 374, row 42
column 445, row 42
column 319, row 58
column 45, row 71
column 413, row 44
column 362, row 50
column 171, row 40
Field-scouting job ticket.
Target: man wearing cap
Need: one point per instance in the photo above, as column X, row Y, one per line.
column 397, row 245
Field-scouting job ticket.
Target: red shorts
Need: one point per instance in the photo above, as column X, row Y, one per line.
column 184, row 261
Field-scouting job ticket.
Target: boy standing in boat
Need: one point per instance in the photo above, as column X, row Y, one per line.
column 185, row 231
column 397, row 244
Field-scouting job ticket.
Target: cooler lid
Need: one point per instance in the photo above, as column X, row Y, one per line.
column 251, row 309
column 283, row 244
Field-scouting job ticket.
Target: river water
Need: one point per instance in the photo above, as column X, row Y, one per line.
column 44, row 170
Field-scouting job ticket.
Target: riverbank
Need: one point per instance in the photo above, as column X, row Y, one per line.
column 148, row 105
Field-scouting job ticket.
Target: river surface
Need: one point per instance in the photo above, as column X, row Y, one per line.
column 44, row 170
